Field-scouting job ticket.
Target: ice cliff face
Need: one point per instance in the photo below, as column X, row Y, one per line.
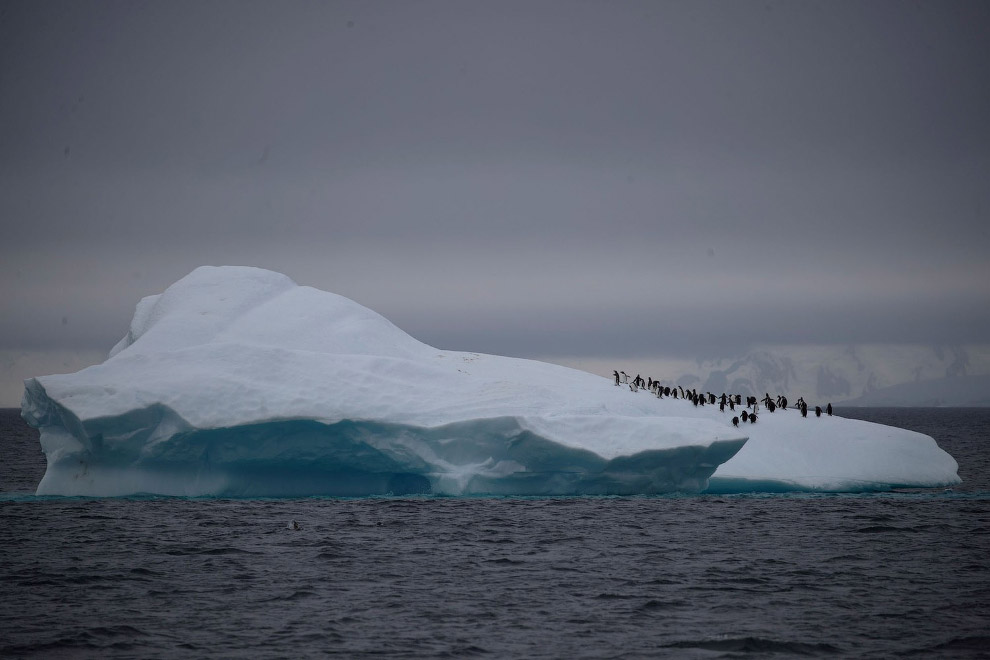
column 236, row 381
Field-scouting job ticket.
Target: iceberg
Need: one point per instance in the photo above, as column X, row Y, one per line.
column 787, row 452
column 236, row 381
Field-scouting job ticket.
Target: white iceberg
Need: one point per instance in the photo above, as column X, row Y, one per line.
column 236, row 381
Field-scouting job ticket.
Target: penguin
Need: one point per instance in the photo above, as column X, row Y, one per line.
column 818, row 411
column 735, row 422
column 745, row 416
column 828, row 410
column 616, row 374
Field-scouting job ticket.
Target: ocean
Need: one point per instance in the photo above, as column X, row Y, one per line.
column 893, row 574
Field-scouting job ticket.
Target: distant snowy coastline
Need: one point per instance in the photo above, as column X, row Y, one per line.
column 236, row 381
column 846, row 375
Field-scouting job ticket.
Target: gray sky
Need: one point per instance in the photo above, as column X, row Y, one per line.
column 527, row 178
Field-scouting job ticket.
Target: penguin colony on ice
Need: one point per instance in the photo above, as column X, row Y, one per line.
column 749, row 413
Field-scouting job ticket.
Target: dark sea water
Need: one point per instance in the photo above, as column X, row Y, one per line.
column 899, row 574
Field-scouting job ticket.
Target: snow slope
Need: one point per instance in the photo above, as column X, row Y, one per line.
column 236, row 381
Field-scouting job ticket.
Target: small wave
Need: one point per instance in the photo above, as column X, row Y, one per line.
column 560, row 539
column 90, row 639
column 330, row 555
column 756, row 645
column 464, row 652
column 979, row 643
column 79, row 578
column 846, row 558
column 144, row 571
column 881, row 529
column 658, row 605
column 192, row 550
column 226, row 551
column 115, row 631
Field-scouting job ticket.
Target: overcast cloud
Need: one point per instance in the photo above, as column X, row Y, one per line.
column 526, row 178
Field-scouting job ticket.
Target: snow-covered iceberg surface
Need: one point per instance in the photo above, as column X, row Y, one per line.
column 787, row 452
column 236, row 381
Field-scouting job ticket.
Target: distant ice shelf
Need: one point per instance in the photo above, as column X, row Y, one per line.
column 236, row 381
